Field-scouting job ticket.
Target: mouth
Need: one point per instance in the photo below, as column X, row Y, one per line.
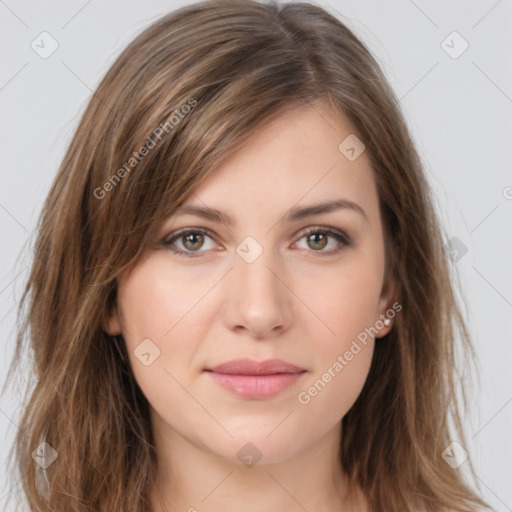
column 255, row 380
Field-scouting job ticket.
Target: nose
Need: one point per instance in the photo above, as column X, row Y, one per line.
column 257, row 299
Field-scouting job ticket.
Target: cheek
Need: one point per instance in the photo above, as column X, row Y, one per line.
column 330, row 394
column 157, row 302
column 156, row 308
column 348, row 304
column 161, row 341
column 347, row 300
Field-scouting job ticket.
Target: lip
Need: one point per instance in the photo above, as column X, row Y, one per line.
column 255, row 380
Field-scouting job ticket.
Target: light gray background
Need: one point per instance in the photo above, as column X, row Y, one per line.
column 459, row 111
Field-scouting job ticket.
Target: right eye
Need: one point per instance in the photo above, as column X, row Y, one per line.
column 191, row 241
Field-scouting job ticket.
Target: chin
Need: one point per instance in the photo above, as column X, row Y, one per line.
column 250, row 446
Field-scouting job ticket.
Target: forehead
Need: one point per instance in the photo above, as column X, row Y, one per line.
column 294, row 160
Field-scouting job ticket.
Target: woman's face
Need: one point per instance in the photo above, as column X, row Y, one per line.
column 261, row 288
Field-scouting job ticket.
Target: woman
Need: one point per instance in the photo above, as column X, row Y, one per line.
column 239, row 297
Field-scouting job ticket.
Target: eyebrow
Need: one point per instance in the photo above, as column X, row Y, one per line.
column 293, row 215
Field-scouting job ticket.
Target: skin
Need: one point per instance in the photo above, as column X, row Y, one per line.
column 292, row 303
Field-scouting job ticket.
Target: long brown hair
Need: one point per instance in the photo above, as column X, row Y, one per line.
column 185, row 93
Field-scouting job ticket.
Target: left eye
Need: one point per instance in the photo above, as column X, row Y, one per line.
column 193, row 240
column 317, row 239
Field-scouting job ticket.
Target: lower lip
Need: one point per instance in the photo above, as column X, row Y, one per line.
column 256, row 386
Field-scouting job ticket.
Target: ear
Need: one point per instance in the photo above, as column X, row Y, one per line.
column 389, row 296
column 112, row 323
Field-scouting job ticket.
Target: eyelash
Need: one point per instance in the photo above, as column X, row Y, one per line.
column 341, row 237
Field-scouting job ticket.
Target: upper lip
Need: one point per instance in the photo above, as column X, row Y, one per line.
column 251, row 367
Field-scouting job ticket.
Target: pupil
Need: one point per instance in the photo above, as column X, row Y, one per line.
column 314, row 235
column 191, row 237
